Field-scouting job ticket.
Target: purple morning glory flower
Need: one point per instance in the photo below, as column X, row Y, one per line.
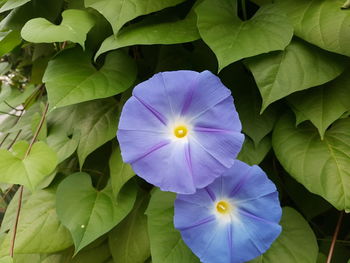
column 180, row 130
column 234, row 219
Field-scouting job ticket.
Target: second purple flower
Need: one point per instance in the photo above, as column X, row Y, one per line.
column 180, row 130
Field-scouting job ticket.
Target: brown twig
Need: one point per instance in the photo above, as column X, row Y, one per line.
column 12, row 248
column 14, row 140
column 3, row 140
column 37, row 130
column 335, row 235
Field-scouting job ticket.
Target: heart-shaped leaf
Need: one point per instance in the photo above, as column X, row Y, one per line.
column 167, row 245
column 9, row 40
column 11, row 4
column 118, row 12
column 320, row 22
column 38, row 221
column 153, row 31
column 88, row 213
column 297, row 242
column 232, row 39
column 64, row 144
column 323, row 105
column 252, row 154
column 322, row 166
column 300, row 66
column 29, row 171
column 129, row 241
column 120, row 172
column 71, row 78
column 74, row 27
column 248, row 102
column 94, row 122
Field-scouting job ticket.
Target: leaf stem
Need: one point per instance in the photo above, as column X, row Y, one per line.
column 12, row 248
column 21, row 187
column 14, row 140
column 43, row 117
column 335, row 235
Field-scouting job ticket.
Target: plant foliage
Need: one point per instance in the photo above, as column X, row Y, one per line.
column 68, row 66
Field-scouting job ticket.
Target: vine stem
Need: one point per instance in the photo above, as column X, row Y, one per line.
column 12, row 248
column 335, row 235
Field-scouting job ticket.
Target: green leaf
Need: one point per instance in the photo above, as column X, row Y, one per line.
column 38, row 8
column 96, row 254
column 322, row 166
column 71, row 78
column 62, row 143
column 118, row 12
column 300, row 66
column 252, row 154
column 38, row 221
column 74, row 27
column 5, row 91
column 8, row 41
column 129, row 241
column 166, row 243
column 248, row 103
column 11, row 4
column 309, row 204
column 120, row 172
column 297, row 242
column 232, row 39
column 6, row 259
column 320, row 22
column 98, row 126
column 17, row 97
column 88, row 213
column 155, row 30
column 29, row 171
column 95, row 121
column 323, row 105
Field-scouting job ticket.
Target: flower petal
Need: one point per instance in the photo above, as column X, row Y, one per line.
column 167, row 168
column 205, row 95
column 167, row 91
column 209, row 241
column 242, row 233
column 199, row 214
column 219, row 132
column 247, row 182
column 205, row 168
column 138, row 144
column 135, row 116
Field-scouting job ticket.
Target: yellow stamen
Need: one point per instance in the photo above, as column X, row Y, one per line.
column 223, row 207
column 180, row 131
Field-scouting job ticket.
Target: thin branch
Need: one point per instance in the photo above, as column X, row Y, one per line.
column 12, row 248
column 3, row 140
column 38, row 129
column 64, row 44
column 36, row 134
column 335, row 235
column 14, row 140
